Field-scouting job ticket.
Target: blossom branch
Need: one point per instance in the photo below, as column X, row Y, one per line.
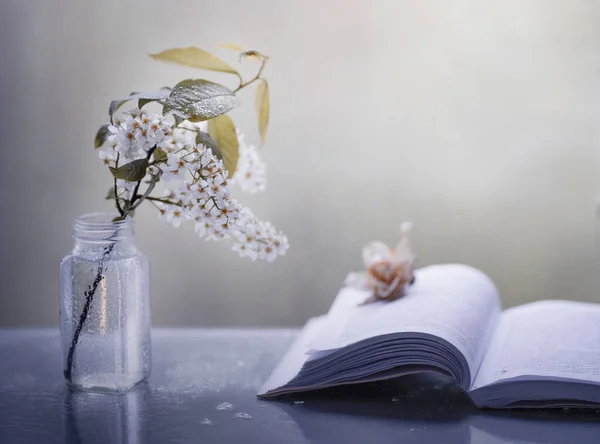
column 134, row 195
column 198, row 186
column 146, row 195
column 256, row 77
column 119, row 209
column 165, row 201
column 117, row 203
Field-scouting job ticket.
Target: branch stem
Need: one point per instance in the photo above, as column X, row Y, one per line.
column 89, row 297
column 165, row 201
column 256, row 77
column 117, row 203
column 134, row 196
column 144, row 196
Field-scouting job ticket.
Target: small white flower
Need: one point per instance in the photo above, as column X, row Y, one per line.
column 215, row 233
column 175, row 215
column 244, row 251
column 202, row 226
column 107, row 154
column 162, row 209
column 170, row 145
column 268, row 252
column 251, row 173
column 281, row 244
column 125, row 139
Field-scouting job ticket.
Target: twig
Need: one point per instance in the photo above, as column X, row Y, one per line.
column 144, row 196
column 137, row 186
column 165, row 201
column 256, row 77
column 89, row 297
column 121, row 212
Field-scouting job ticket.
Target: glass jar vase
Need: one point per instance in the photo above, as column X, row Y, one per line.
column 104, row 306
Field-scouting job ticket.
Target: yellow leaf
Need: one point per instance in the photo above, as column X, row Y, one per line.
column 262, row 105
column 231, row 45
column 196, row 58
column 222, row 130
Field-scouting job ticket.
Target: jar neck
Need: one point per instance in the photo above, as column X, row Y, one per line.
column 99, row 233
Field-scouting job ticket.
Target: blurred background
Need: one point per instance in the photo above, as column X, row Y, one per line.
column 478, row 121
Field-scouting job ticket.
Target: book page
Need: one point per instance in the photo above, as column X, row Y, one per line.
column 557, row 339
column 294, row 358
column 454, row 302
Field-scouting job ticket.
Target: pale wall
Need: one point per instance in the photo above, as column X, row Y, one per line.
column 479, row 121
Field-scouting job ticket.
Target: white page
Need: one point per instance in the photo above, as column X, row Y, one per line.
column 454, row 302
column 295, row 357
column 557, row 339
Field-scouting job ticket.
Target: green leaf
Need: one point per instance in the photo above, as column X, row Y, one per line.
column 132, row 171
column 101, row 136
column 262, row 105
column 143, row 102
column 222, row 131
column 178, row 120
column 110, row 194
column 159, row 155
column 199, row 100
column 196, row 58
column 205, row 139
column 150, row 96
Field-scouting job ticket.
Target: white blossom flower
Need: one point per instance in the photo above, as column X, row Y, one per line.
column 244, row 251
column 260, row 239
column 108, row 155
column 158, row 129
column 135, row 132
column 251, row 173
column 125, row 188
column 175, row 168
column 199, row 187
column 175, row 215
column 202, row 226
column 186, row 131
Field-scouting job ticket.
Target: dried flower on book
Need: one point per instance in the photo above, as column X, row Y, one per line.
column 387, row 270
column 195, row 153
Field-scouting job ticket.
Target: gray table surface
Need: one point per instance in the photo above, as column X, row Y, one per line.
column 194, row 370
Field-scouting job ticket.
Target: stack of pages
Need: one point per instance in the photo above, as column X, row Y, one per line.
column 542, row 354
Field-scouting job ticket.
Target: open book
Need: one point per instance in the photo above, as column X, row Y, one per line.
column 542, row 354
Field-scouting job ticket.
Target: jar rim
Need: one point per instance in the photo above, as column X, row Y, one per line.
column 102, row 226
column 96, row 220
